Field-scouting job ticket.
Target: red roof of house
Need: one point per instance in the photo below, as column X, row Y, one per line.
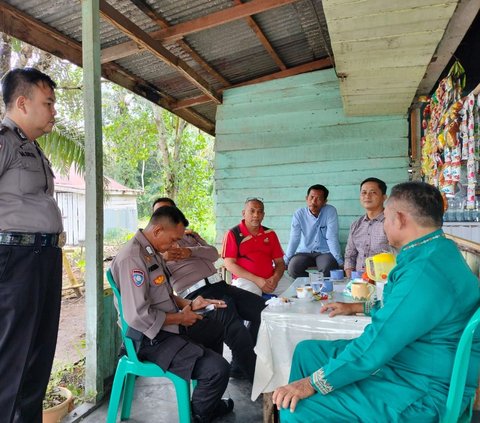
column 76, row 182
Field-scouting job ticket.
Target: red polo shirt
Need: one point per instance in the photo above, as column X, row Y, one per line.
column 256, row 252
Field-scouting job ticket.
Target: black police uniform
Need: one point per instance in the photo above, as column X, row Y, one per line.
column 30, row 275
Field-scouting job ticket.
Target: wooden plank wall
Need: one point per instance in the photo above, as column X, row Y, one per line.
column 277, row 138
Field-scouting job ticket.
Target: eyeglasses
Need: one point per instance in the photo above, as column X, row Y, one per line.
column 254, row 199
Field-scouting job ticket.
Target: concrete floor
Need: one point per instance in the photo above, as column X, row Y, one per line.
column 155, row 401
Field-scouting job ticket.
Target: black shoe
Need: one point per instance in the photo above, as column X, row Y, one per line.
column 237, row 373
column 224, row 407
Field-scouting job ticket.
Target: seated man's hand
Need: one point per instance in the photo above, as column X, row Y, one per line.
column 270, row 285
column 288, row 396
column 342, row 308
column 179, row 253
column 188, row 316
column 200, row 302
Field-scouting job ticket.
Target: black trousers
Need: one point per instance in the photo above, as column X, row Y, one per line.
column 190, row 360
column 301, row 261
column 30, row 298
column 241, row 305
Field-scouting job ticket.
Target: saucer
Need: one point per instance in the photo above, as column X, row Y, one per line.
column 306, row 299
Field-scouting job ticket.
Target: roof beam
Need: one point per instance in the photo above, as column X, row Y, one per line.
column 219, row 18
column 119, row 21
column 176, row 32
column 159, row 20
column 25, row 28
column 306, row 67
column 263, row 39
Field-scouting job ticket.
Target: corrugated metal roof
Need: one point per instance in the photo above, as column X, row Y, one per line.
column 379, row 46
column 231, row 49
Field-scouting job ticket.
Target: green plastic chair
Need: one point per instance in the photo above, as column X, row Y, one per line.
column 459, row 375
column 129, row 366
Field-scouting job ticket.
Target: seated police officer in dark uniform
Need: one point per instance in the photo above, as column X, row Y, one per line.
column 30, row 257
column 151, row 308
column 191, row 263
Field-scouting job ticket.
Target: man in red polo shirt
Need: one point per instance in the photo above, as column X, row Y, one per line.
column 252, row 253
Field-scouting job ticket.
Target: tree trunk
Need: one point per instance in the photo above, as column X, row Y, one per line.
column 163, row 147
column 24, row 55
column 5, row 56
column 180, row 127
column 44, row 61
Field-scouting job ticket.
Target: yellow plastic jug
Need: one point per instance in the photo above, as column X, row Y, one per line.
column 378, row 267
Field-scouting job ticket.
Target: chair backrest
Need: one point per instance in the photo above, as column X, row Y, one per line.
column 460, row 370
column 127, row 341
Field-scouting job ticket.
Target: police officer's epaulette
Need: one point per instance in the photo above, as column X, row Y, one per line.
column 3, row 129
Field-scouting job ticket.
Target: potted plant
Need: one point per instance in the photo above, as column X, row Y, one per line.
column 66, row 383
column 58, row 402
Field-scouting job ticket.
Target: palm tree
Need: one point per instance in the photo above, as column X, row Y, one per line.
column 64, row 148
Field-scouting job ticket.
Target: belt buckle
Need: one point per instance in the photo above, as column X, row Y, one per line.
column 62, row 239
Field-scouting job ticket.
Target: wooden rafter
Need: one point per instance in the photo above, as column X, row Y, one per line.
column 263, row 39
column 159, row 20
column 36, row 33
column 111, row 15
column 306, row 67
column 176, row 32
column 221, row 17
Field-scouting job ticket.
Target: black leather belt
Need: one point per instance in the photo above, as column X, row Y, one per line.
column 30, row 240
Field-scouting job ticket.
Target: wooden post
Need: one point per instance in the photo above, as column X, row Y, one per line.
column 94, row 197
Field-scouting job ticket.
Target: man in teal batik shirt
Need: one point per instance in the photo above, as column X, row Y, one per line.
column 399, row 369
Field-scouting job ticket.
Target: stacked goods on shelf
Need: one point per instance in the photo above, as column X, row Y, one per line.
column 451, row 136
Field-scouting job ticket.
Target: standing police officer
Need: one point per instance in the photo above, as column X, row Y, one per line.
column 30, row 260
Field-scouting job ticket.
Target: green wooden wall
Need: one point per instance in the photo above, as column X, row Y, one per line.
column 275, row 139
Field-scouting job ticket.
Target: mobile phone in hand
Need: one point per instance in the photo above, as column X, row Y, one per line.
column 205, row 310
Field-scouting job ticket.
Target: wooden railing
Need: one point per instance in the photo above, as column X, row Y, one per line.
column 470, row 251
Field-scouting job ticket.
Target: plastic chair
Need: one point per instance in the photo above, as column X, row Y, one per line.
column 459, row 375
column 129, row 366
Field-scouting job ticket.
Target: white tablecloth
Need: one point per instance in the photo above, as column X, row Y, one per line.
column 283, row 327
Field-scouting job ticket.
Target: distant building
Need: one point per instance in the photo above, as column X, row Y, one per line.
column 120, row 206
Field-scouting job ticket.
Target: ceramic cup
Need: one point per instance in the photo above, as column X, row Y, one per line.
column 361, row 291
column 336, row 275
column 327, row 285
column 356, row 275
column 304, row 292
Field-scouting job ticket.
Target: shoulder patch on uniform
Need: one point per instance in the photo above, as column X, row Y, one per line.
column 159, row 280
column 138, row 277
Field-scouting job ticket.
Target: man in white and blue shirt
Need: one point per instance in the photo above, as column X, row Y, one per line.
column 314, row 236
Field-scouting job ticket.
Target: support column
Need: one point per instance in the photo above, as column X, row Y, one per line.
column 94, row 197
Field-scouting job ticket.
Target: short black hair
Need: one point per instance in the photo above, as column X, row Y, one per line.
column 425, row 200
column 19, row 82
column 164, row 200
column 171, row 214
column 382, row 185
column 318, row 187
